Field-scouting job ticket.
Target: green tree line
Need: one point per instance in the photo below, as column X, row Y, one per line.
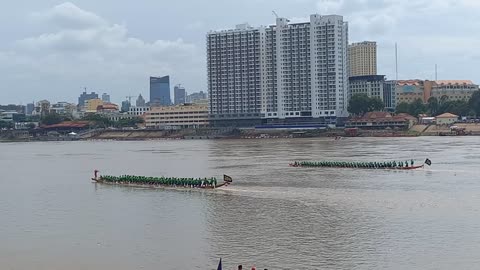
column 437, row 106
column 96, row 121
column 361, row 103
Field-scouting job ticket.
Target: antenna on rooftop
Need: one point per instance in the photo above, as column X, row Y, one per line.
column 436, row 72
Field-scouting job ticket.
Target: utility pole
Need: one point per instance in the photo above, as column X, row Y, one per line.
column 396, row 62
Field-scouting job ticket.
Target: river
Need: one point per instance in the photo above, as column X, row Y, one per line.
column 273, row 216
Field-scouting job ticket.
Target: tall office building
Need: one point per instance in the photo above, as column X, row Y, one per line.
column 105, row 97
column 30, row 108
column 389, row 95
column 287, row 71
column 125, row 106
column 362, row 58
column 160, row 91
column 179, row 95
column 140, row 101
column 84, row 97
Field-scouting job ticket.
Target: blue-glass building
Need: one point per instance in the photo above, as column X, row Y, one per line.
column 160, row 91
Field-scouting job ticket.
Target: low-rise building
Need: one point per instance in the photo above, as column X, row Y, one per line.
column 408, row 91
column 138, row 111
column 382, row 120
column 64, row 108
column 446, row 119
column 371, row 85
column 180, row 116
column 107, row 107
column 454, row 89
column 8, row 116
column 42, row 108
column 92, row 105
column 191, row 98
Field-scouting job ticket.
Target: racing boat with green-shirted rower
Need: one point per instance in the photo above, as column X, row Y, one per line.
column 386, row 165
column 161, row 182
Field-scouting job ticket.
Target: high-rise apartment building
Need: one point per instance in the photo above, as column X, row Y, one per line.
column 287, row 71
column 362, row 58
column 160, row 91
column 233, row 60
column 179, row 95
column 105, row 97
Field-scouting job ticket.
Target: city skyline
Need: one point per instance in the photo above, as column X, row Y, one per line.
column 53, row 50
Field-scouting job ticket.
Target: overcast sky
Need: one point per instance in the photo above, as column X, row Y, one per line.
column 52, row 49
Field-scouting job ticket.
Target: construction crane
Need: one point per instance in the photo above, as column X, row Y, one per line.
column 275, row 13
column 129, row 98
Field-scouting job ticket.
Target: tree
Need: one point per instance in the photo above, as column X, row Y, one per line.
column 51, row 119
column 403, row 107
column 129, row 122
column 358, row 104
column 417, row 107
column 30, row 125
column 474, row 103
column 98, row 120
column 7, row 125
column 433, row 105
column 376, row 104
column 361, row 103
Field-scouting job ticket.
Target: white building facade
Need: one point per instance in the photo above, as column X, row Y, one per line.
column 138, row 111
column 283, row 71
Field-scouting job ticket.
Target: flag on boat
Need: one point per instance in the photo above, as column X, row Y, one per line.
column 227, row 178
column 220, row 265
column 428, row 162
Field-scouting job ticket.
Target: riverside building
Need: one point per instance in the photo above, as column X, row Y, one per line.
column 283, row 73
column 177, row 117
column 362, row 58
column 454, row 89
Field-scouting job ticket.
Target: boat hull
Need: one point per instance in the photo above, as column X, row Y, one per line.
column 100, row 181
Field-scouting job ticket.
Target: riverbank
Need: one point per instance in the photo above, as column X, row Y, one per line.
column 467, row 129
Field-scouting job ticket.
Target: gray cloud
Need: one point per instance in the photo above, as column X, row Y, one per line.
column 68, row 15
column 90, row 49
column 51, row 50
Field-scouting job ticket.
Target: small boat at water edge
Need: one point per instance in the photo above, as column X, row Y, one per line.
column 361, row 165
column 161, row 182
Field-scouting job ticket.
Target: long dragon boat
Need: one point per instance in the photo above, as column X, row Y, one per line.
column 161, row 182
column 390, row 165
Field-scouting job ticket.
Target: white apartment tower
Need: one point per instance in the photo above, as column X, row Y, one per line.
column 363, row 58
column 233, row 59
column 283, row 71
